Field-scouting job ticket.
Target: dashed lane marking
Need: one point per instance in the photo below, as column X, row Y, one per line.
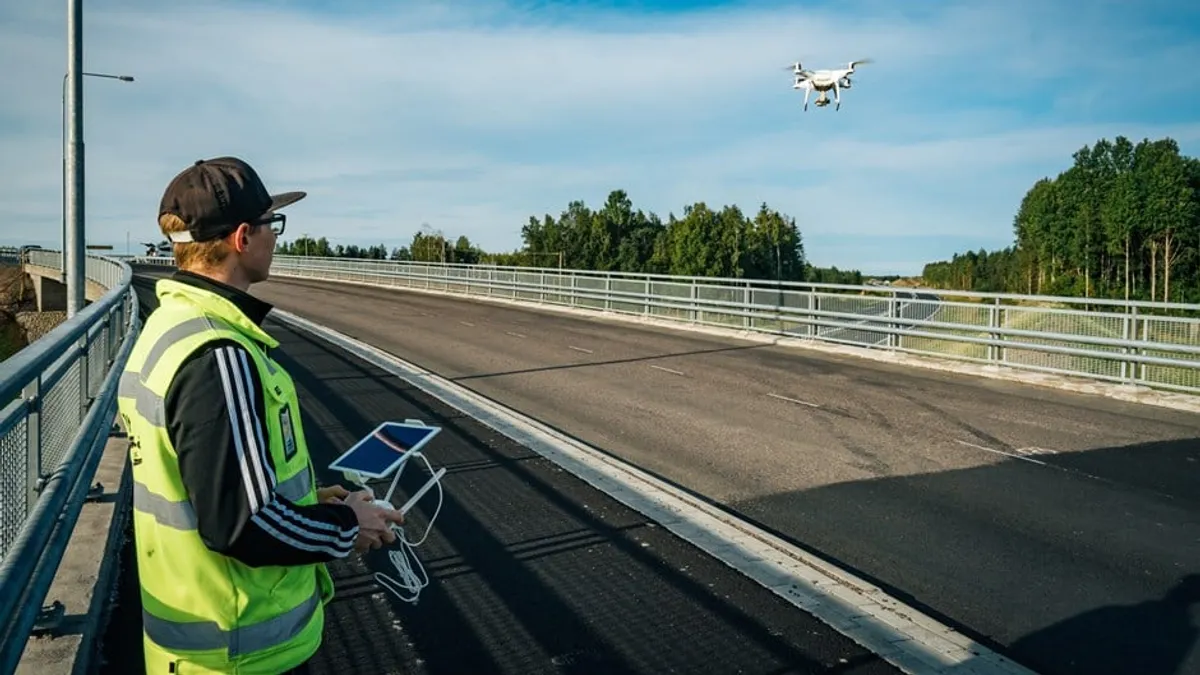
column 1015, row 455
column 789, row 399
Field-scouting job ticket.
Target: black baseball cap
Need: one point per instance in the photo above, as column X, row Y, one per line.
column 214, row 196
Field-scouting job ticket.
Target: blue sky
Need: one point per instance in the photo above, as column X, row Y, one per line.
column 473, row 115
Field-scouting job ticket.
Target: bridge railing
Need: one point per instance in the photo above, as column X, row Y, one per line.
column 59, row 403
column 1154, row 344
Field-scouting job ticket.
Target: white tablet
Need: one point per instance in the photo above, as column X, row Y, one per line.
column 377, row 454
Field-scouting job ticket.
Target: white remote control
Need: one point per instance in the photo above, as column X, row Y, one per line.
column 412, row 501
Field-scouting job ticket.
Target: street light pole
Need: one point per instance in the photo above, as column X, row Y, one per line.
column 73, row 235
column 73, row 242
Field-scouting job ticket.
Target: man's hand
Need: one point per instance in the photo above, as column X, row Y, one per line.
column 374, row 523
column 333, row 494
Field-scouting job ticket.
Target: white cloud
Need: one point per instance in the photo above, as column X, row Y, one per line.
column 475, row 115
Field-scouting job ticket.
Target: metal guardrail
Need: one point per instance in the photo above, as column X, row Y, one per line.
column 1134, row 342
column 59, row 396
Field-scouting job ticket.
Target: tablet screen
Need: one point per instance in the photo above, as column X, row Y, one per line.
column 378, row 453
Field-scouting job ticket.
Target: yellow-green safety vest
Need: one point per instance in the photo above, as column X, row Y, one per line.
column 204, row 612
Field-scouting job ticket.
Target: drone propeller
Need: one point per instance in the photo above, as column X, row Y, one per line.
column 860, row 62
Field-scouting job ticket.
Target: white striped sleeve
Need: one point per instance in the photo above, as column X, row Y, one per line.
column 270, row 512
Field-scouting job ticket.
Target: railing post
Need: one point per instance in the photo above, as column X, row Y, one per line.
column 893, row 313
column 746, row 295
column 993, row 351
column 112, row 319
column 85, row 377
column 813, row 307
column 1142, row 333
column 1127, row 328
column 32, row 395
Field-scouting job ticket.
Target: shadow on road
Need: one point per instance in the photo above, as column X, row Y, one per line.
column 1154, row 637
column 534, row 571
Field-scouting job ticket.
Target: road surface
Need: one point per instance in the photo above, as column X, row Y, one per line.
column 531, row 569
column 1061, row 526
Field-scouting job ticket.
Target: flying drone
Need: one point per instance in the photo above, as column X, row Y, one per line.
column 822, row 81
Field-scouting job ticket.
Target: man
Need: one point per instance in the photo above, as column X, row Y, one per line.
column 232, row 535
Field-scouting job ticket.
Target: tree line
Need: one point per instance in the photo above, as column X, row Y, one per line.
column 619, row 238
column 1122, row 222
column 425, row 247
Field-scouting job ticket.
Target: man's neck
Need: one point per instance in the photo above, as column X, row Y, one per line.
column 231, row 277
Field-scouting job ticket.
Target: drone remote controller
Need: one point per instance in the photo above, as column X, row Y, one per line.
column 384, row 453
column 412, row 501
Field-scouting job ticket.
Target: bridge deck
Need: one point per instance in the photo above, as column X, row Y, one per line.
column 531, row 570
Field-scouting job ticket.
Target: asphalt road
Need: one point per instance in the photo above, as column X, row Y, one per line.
column 531, row 569
column 1054, row 524
column 1060, row 526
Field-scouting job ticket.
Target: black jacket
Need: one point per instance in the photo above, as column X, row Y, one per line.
column 216, row 422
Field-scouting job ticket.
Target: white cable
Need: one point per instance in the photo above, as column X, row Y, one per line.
column 412, row 575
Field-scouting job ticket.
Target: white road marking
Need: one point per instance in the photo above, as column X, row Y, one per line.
column 794, row 400
column 579, row 349
column 899, row 634
column 1024, row 455
column 466, row 323
column 666, row 370
column 1013, row 455
column 509, row 332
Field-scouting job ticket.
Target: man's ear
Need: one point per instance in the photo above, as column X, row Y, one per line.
column 240, row 238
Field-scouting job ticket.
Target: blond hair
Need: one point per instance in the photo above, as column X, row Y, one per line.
column 193, row 255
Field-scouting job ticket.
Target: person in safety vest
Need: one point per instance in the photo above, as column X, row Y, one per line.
column 232, row 534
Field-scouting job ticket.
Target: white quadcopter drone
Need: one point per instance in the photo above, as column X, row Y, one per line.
column 822, row 81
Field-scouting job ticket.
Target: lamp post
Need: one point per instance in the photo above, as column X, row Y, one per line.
column 73, row 238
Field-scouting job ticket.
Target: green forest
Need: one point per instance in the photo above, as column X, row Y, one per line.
column 619, row 238
column 1122, row 222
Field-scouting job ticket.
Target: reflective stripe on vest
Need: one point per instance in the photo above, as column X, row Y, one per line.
column 205, row 635
column 181, row 515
